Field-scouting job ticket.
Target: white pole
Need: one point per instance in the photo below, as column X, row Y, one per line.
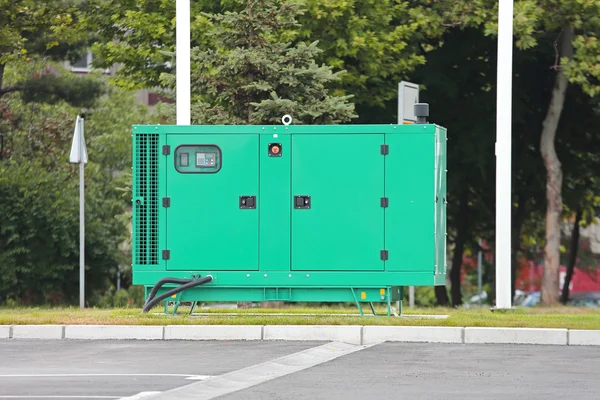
column 81, row 220
column 182, row 60
column 411, row 296
column 503, row 153
column 479, row 272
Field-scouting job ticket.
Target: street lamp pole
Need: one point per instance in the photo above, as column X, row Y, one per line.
column 182, row 60
column 503, row 154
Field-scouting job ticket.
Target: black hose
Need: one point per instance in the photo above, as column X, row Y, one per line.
column 148, row 306
column 163, row 281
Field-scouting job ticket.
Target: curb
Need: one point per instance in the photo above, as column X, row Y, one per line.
column 100, row 332
column 54, row 332
column 334, row 333
column 213, row 332
column 427, row 334
column 352, row 334
column 516, row 336
column 584, row 338
column 5, row 332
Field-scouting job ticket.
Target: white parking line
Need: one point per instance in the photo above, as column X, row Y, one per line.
column 186, row 376
column 139, row 396
column 257, row 374
column 198, row 377
column 58, row 397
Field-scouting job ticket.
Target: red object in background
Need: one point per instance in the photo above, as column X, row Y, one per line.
column 529, row 275
column 529, row 279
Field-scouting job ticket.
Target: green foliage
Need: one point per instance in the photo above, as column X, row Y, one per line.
column 133, row 297
column 424, row 297
column 77, row 91
column 39, row 27
column 39, row 238
column 377, row 42
column 143, row 29
column 252, row 77
column 44, row 30
column 109, row 126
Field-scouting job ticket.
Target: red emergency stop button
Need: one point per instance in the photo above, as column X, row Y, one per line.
column 274, row 149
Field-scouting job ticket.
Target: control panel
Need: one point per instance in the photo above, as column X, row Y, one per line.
column 198, row 159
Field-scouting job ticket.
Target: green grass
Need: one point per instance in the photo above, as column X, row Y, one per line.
column 563, row 317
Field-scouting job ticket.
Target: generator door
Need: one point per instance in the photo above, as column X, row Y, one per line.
column 212, row 213
column 337, row 216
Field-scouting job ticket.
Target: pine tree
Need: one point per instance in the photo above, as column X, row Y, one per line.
column 254, row 76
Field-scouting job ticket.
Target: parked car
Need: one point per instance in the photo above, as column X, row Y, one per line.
column 585, row 299
column 531, row 300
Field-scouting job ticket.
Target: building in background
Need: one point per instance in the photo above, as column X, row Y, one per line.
column 84, row 66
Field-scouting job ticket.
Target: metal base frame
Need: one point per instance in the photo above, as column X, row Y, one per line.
column 384, row 295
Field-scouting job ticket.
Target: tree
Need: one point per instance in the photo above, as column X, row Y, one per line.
column 573, row 26
column 377, row 43
column 253, row 77
column 579, row 147
column 38, row 207
column 459, row 73
column 578, row 23
column 139, row 36
column 47, row 30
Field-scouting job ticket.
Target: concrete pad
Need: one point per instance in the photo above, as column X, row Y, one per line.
column 516, row 336
column 429, row 334
column 213, row 332
column 346, row 334
column 38, row 331
column 99, row 332
column 584, row 338
column 5, row 331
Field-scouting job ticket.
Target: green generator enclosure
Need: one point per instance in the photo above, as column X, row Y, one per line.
column 294, row 213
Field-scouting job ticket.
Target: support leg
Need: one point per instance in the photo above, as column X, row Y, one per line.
column 357, row 303
column 372, row 308
column 177, row 303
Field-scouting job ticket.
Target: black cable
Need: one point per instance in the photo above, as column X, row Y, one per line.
column 148, row 306
column 163, row 281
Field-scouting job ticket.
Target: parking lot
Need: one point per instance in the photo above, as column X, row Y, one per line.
column 286, row 370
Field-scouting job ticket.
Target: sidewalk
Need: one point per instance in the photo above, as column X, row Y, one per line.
column 353, row 334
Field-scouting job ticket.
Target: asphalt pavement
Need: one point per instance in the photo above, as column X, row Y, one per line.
column 438, row 371
column 300, row 370
column 34, row 369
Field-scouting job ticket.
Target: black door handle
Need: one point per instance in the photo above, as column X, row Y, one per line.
column 247, row 202
column 301, row 201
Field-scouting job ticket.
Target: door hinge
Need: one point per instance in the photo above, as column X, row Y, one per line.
column 166, row 254
column 166, row 202
column 384, row 202
column 166, row 150
column 384, row 255
column 385, row 149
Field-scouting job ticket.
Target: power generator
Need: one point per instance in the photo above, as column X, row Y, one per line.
column 294, row 213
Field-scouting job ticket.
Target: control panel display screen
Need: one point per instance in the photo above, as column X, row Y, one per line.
column 197, row 159
column 184, row 159
column 204, row 160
